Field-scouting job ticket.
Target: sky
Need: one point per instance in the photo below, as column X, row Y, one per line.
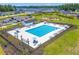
column 32, row 4
column 39, row 1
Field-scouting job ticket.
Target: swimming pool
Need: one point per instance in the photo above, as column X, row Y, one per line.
column 41, row 30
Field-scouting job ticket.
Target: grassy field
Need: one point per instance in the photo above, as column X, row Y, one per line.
column 9, row 16
column 2, row 42
column 68, row 43
column 1, row 51
column 11, row 26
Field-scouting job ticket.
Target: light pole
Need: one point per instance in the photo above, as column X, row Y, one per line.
column 16, row 33
column 21, row 43
column 23, row 46
column 28, row 45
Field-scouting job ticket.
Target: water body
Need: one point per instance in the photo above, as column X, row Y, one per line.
column 32, row 4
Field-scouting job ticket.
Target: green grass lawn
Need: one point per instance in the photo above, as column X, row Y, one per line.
column 9, row 16
column 2, row 43
column 68, row 43
column 11, row 26
column 1, row 51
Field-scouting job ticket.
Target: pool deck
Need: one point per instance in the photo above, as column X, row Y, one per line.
column 41, row 40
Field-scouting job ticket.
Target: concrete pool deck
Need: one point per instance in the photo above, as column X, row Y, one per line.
column 41, row 40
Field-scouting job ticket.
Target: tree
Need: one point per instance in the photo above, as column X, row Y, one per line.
column 70, row 6
column 6, row 8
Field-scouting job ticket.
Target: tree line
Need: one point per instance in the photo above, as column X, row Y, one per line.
column 69, row 6
column 6, row 8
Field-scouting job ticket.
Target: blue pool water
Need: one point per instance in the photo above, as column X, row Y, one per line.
column 41, row 30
